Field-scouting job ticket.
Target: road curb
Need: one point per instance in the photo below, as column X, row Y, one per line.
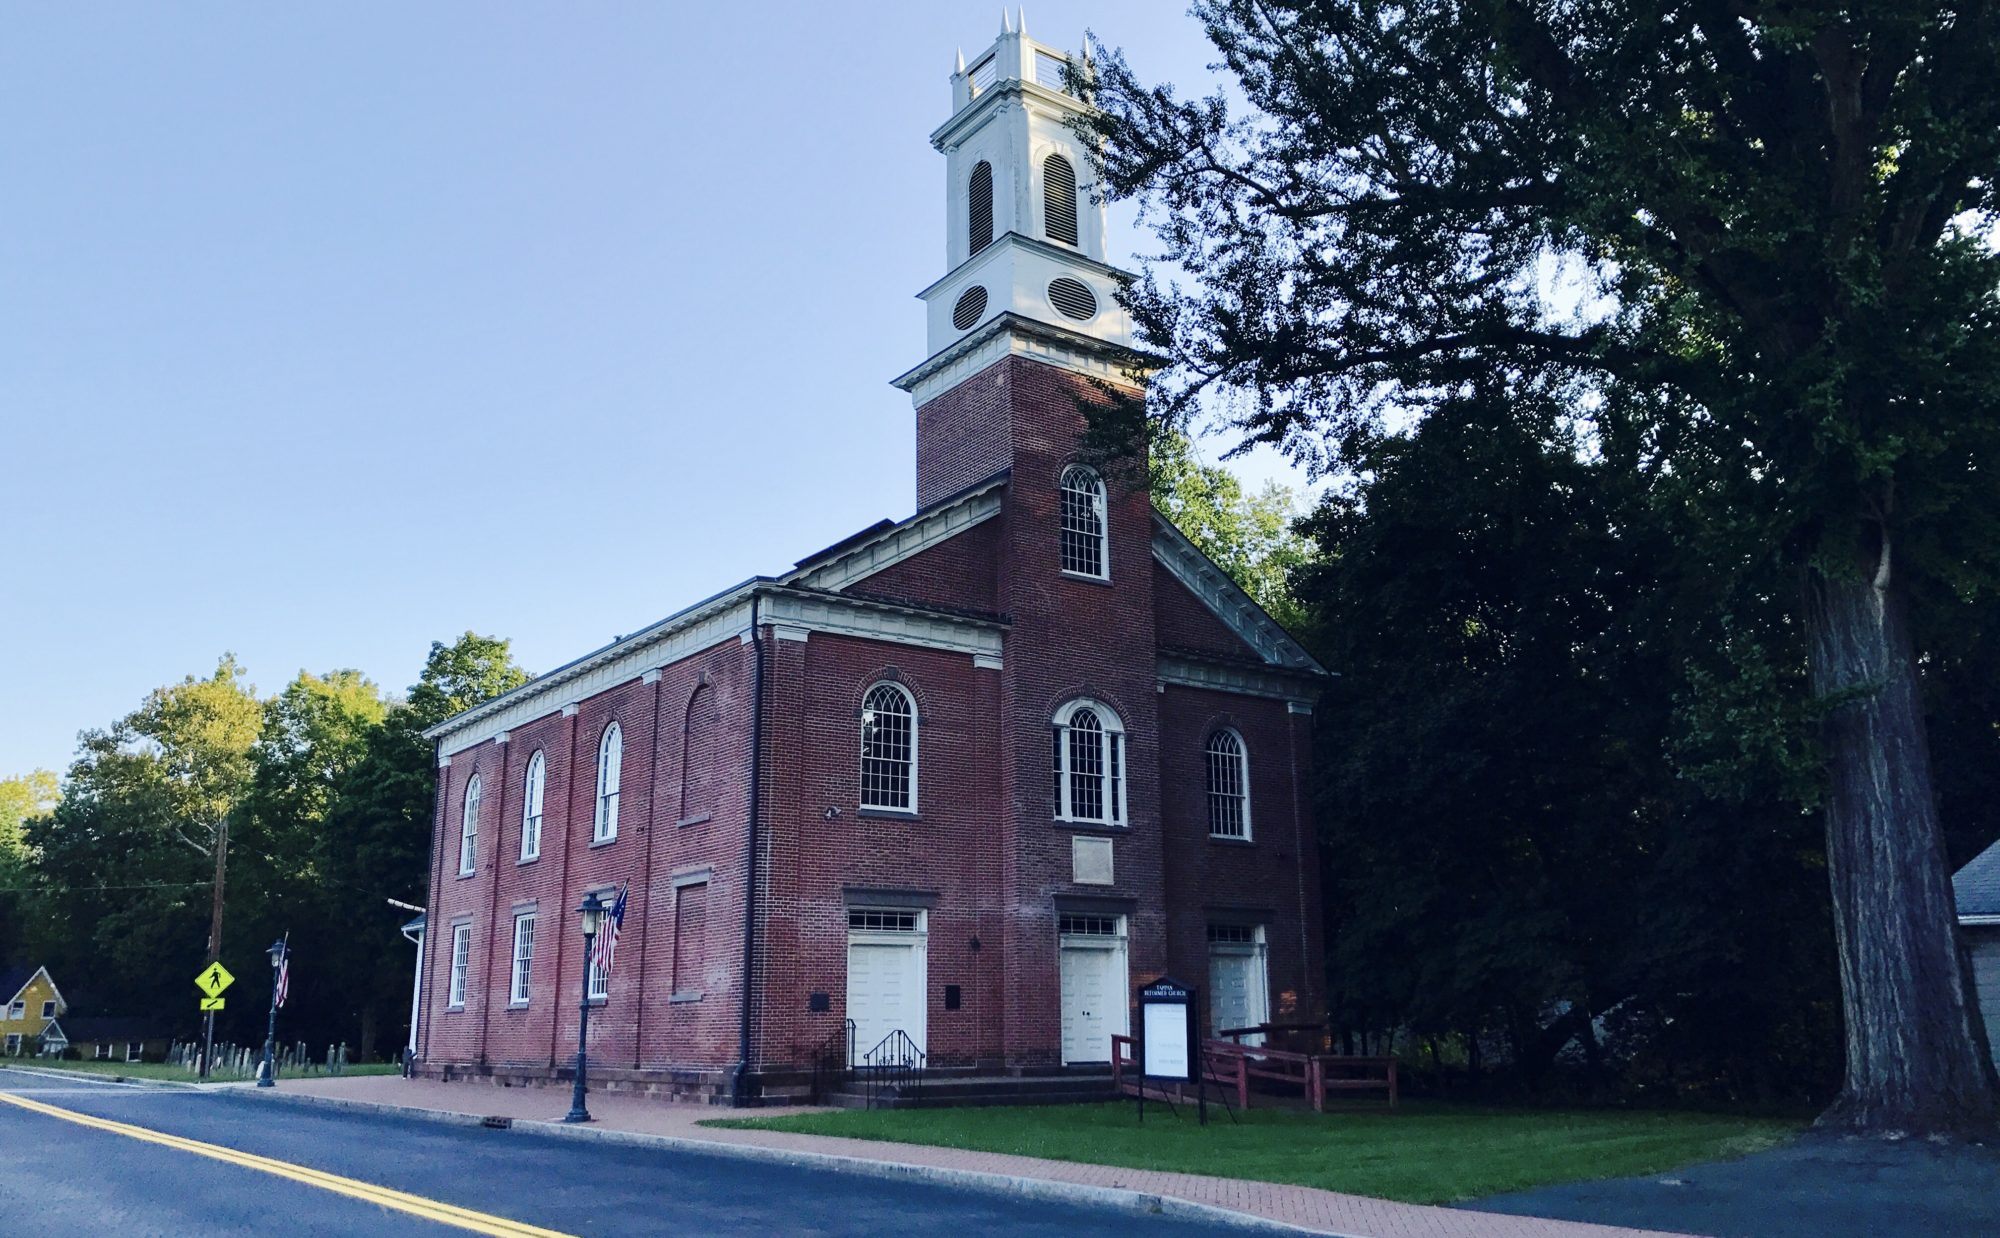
column 103, row 1080
column 1141, row 1202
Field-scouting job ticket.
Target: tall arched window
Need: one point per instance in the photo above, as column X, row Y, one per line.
column 979, row 207
column 1089, row 764
column 468, row 829
column 610, row 757
column 1059, row 200
column 1083, row 523
column 889, row 749
column 1228, row 786
column 531, row 807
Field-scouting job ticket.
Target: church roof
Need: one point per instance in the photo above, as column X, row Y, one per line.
column 1977, row 888
column 817, row 586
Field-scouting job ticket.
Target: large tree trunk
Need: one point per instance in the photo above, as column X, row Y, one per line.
column 1912, row 1062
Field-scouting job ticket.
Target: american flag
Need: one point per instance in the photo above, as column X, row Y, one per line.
column 284, row 975
column 607, row 937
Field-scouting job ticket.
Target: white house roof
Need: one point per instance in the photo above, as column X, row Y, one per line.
column 1977, row 888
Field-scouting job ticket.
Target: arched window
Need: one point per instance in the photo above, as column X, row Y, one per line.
column 610, row 757
column 1228, row 786
column 1089, row 764
column 1083, row 523
column 979, row 208
column 468, row 829
column 889, row 749
column 1059, row 200
column 531, row 807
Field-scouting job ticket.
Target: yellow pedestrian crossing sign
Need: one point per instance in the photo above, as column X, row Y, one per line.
column 212, row 1003
column 213, row 980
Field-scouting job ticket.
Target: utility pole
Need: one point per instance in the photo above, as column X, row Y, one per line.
column 215, row 933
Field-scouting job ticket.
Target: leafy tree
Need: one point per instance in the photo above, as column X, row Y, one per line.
column 1249, row 536
column 22, row 797
column 1756, row 232
column 1517, row 856
column 377, row 836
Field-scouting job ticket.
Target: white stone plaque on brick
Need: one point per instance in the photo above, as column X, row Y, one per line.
column 1090, row 861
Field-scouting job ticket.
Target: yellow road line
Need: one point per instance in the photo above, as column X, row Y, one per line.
column 415, row 1205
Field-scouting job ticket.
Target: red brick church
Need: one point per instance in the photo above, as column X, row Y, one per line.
column 968, row 777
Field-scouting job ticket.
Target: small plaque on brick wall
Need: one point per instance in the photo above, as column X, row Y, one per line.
column 1090, row 861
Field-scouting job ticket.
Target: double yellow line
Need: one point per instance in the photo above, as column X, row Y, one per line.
column 414, row 1205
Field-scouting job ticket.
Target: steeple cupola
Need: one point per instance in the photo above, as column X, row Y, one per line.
column 1024, row 231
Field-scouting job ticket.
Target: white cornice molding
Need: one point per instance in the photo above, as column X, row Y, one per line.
column 839, row 615
column 853, row 563
column 792, row 614
column 670, row 640
column 1242, row 680
column 1226, row 599
column 1008, row 335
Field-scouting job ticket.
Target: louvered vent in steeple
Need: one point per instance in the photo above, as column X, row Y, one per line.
column 1059, row 199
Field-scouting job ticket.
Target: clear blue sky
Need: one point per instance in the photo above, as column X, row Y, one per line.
column 327, row 331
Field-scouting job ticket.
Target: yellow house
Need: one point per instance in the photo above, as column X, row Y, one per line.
column 33, row 1003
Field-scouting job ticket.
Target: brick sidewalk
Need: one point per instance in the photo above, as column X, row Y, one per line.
column 1355, row 1216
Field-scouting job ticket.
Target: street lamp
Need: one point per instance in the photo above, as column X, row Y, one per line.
column 591, row 913
column 277, row 952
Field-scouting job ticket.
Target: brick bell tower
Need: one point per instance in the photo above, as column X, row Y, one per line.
column 1025, row 334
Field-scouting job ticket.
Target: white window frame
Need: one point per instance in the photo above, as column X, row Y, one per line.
column 134, row 1050
column 610, row 772
column 1100, row 503
column 468, row 828
column 599, row 989
column 49, row 1008
column 1115, row 760
column 524, row 959
column 101, row 1051
column 1242, row 762
column 910, row 704
column 533, row 784
column 17, row 1010
column 461, row 963
column 13, row 1044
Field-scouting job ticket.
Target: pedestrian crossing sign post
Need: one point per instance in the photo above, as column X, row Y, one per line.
column 212, row 1003
column 213, row 980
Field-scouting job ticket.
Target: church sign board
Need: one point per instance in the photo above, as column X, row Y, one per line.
column 1166, row 1031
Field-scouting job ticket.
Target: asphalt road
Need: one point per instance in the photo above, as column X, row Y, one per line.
column 1816, row 1187
column 106, row 1182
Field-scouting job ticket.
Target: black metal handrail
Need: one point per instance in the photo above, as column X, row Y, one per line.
column 893, row 1068
column 831, row 1061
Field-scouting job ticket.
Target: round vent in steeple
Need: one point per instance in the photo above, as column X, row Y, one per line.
column 1073, row 298
column 972, row 306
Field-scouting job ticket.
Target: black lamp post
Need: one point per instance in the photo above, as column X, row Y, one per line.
column 266, row 1080
column 591, row 912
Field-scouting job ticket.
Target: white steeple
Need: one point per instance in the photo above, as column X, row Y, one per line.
column 1024, row 232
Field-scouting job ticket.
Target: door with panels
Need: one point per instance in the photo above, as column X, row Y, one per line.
column 1094, row 981
column 1239, row 986
column 886, row 977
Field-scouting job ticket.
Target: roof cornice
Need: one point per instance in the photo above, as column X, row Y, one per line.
column 1045, row 342
column 1222, row 595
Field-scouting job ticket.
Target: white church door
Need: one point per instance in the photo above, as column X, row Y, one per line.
column 886, row 976
column 1094, row 1006
column 1239, row 989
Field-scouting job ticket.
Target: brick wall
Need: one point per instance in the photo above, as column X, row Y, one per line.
column 982, row 853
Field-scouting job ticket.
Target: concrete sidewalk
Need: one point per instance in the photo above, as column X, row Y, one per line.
column 644, row 1120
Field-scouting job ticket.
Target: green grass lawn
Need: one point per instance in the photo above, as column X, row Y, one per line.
column 1422, row 1153
column 174, row 1074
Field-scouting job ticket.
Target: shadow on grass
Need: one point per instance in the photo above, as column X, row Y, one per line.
column 1424, row 1153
